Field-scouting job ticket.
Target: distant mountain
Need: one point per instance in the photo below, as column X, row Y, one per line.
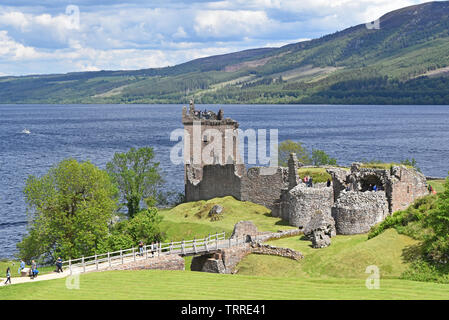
column 406, row 61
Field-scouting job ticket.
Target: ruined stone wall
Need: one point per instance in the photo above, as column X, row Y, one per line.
column 217, row 181
column 264, row 185
column 305, row 201
column 168, row 262
column 266, row 249
column 356, row 212
column 244, row 228
column 407, row 185
column 402, row 185
column 232, row 256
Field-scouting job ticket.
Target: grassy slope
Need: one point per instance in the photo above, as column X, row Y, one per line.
column 190, row 220
column 171, row 285
column 347, row 257
column 437, row 185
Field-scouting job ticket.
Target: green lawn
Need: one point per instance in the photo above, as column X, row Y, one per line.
column 437, row 185
column 174, row 285
column 347, row 257
column 190, row 220
column 14, row 265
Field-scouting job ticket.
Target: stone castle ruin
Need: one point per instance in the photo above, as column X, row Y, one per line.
column 349, row 201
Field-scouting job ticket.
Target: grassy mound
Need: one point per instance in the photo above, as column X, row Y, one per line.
column 191, row 219
column 186, row 285
column 347, row 257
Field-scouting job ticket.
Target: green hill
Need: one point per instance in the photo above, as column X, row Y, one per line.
column 403, row 62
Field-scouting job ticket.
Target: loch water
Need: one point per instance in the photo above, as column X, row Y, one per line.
column 96, row 132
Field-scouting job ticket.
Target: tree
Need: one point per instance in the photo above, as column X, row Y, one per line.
column 321, row 158
column 288, row 146
column 69, row 208
column 136, row 175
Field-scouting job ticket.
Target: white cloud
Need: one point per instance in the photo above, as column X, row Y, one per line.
column 10, row 49
column 137, row 34
column 225, row 23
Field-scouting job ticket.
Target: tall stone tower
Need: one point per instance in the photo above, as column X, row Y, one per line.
column 209, row 140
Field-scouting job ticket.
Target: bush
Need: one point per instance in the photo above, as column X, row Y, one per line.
column 410, row 221
column 436, row 245
column 144, row 226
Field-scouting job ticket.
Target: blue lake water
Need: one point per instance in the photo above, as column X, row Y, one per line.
column 96, row 132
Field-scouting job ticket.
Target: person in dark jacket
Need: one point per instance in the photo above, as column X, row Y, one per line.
column 59, row 265
column 8, row 276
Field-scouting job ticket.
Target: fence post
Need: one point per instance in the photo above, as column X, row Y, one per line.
column 134, row 253
column 183, row 250
column 121, row 255
column 96, row 261
column 84, row 264
column 205, row 242
column 194, row 245
column 70, row 266
column 109, row 258
column 160, row 248
column 216, row 240
column 146, row 251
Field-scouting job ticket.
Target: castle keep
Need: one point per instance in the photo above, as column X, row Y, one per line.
column 349, row 201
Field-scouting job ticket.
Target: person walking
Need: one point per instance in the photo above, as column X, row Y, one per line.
column 59, row 265
column 8, row 276
column 21, row 267
column 141, row 248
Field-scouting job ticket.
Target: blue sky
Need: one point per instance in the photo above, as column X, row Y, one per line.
column 87, row 35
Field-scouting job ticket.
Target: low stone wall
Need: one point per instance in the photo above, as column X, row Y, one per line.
column 266, row 249
column 267, row 236
column 169, row 262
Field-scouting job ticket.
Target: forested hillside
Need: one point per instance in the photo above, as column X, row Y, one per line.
column 406, row 61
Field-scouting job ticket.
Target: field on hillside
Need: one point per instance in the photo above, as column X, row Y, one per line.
column 174, row 285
